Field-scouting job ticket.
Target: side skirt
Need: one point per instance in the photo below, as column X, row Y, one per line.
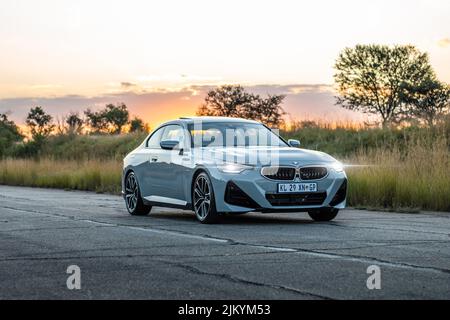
column 158, row 201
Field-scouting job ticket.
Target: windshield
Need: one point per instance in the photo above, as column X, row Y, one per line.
column 233, row 134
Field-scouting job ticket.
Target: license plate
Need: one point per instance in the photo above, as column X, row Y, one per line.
column 296, row 187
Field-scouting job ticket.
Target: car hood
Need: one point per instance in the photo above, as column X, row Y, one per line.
column 263, row 155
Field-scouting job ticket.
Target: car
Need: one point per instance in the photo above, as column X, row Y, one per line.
column 218, row 165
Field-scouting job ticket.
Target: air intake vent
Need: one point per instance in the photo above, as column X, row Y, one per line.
column 278, row 173
column 313, row 173
column 235, row 196
column 340, row 194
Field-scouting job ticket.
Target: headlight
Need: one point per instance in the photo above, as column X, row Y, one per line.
column 233, row 167
column 337, row 166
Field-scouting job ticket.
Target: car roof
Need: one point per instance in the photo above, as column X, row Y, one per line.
column 193, row 119
column 216, row 119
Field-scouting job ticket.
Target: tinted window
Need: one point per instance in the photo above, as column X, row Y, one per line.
column 233, row 134
column 154, row 140
column 173, row 132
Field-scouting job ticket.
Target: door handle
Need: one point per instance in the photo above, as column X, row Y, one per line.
column 154, row 159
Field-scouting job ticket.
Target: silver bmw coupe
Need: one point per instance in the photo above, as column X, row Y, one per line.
column 216, row 165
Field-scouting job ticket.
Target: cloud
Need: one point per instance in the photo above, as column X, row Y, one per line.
column 127, row 85
column 303, row 101
column 444, row 43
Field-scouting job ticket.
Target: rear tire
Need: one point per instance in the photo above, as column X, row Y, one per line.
column 133, row 200
column 203, row 201
column 325, row 214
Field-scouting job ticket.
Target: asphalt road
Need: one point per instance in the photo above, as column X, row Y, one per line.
column 169, row 255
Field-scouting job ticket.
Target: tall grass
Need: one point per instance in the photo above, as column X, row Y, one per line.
column 90, row 175
column 343, row 140
column 415, row 178
column 83, row 147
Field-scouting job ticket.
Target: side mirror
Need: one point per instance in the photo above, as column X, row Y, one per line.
column 294, row 143
column 169, row 144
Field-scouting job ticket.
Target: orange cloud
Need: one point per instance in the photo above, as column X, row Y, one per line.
column 303, row 101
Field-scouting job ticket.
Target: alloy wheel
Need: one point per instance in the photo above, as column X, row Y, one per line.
column 131, row 192
column 202, row 197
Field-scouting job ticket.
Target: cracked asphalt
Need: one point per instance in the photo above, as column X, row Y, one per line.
column 169, row 255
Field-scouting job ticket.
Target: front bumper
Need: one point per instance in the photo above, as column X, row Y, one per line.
column 264, row 197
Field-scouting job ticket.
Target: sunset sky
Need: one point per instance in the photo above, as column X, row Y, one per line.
column 160, row 57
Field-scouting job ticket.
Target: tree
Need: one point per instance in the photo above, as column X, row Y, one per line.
column 117, row 116
column 234, row 101
column 137, row 125
column 429, row 100
column 267, row 111
column 372, row 78
column 9, row 134
column 74, row 123
column 226, row 101
column 40, row 123
column 110, row 119
column 96, row 121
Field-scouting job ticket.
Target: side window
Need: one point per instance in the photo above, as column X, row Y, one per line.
column 173, row 132
column 153, row 141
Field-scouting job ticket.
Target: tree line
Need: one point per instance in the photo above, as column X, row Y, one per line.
column 110, row 120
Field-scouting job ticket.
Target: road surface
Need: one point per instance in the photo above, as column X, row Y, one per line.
column 169, row 255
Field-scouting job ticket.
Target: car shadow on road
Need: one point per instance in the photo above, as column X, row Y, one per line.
column 260, row 218
column 239, row 219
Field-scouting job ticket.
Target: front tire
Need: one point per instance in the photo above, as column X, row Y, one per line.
column 203, row 200
column 133, row 200
column 325, row 214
